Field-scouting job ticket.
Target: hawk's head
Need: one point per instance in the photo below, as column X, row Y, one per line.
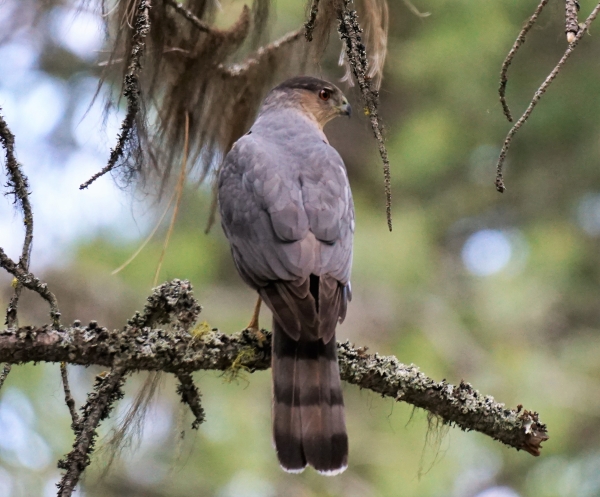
column 320, row 99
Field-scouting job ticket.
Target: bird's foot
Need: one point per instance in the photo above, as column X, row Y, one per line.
column 253, row 327
column 257, row 333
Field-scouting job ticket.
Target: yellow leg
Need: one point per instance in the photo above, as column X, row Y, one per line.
column 253, row 326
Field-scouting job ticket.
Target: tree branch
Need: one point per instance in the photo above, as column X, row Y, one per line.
column 190, row 395
column 571, row 24
column 198, row 23
column 28, row 280
column 180, row 353
column 309, row 25
column 350, row 33
column 69, row 400
column 131, row 89
column 19, row 187
column 106, row 391
column 511, row 55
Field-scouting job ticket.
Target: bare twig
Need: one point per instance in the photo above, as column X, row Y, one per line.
column 537, row 96
column 261, row 54
column 180, row 9
column 571, row 24
column 204, row 27
column 349, row 31
column 19, row 187
column 190, row 395
column 68, row 396
column 131, row 90
column 97, row 408
column 511, row 55
column 28, row 280
column 309, row 25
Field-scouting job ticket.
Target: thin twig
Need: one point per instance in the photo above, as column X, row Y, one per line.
column 349, row 31
column 201, row 25
column 131, row 90
column 511, row 55
column 97, row 408
column 309, row 25
column 260, row 55
column 537, row 96
column 28, row 280
column 68, row 396
column 190, row 395
column 19, row 187
column 571, row 24
column 5, row 370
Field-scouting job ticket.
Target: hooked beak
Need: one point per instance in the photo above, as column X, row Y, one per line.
column 345, row 108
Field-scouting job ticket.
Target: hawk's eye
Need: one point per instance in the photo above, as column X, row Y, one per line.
column 325, row 94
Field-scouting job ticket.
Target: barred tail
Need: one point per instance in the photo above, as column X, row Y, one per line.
column 309, row 426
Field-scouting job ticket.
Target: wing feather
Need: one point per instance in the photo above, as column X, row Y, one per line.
column 287, row 215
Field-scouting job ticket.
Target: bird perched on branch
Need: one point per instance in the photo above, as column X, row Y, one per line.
column 287, row 211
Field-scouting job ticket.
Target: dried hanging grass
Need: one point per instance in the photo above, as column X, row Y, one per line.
column 375, row 35
column 189, row 69
column 211, row 75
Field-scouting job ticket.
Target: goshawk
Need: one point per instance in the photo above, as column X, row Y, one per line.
column 287, row 211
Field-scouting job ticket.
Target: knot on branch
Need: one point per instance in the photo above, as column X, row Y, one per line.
column 170, row 303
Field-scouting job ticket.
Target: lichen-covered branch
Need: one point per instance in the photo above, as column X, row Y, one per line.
column 170, row 303
column 537, row 96
column 131, row 89
column 190, row 395
column 29, row 281
column 350, row 32
column 99, row 403
column 571, row 24
column 309, row 25
column 459, row 405
column 19, row 187
column 180, row 353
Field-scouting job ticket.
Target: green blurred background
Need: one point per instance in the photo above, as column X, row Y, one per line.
column 499, row 290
